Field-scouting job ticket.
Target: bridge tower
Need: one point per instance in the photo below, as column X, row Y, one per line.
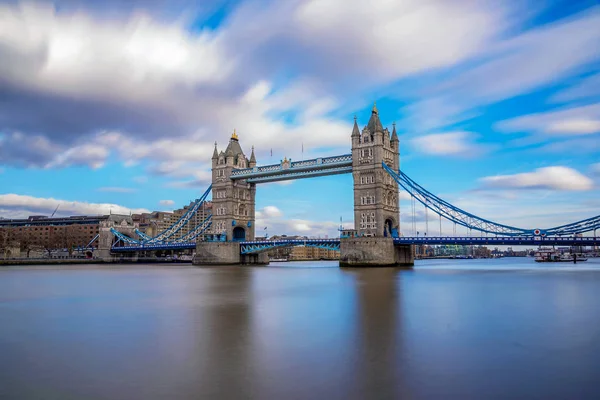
column 376, row 201
column 233, row 209
column 376, row 204
column 233, row 201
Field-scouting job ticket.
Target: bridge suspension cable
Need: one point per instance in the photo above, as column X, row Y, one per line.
column 197, row 231
column 185, row 218
column 470, row 221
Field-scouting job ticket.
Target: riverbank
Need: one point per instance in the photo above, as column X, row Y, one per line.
column 72, row 261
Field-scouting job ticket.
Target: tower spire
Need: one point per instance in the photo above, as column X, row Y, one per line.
column 374, row 124
column 394, row 134
column 215, row 153
column 355, row 131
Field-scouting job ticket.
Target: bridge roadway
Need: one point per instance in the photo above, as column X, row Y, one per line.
column 333, row 244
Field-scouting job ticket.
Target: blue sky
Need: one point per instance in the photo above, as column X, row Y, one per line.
column 116, row 104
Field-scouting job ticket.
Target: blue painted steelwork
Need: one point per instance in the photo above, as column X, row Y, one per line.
column 461, row 217
column 586, row 225
column 198, row 230
column 123, row 237
column 499, row 240
column 334, row 165
column 92, row 241
column 334, row 244
column 448, row 211
column 142, row 235
column 161, row 237
column 263, row 245
column 152, row 247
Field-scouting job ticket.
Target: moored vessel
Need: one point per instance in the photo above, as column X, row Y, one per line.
column 552, row 255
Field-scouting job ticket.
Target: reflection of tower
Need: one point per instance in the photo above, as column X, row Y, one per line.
column 233, row 201
column 217, row 360
column 376, row 203
column 380, row 345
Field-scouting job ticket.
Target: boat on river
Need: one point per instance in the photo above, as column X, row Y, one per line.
column 552, row 255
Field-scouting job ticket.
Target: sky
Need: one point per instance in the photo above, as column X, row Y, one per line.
column 115, row 106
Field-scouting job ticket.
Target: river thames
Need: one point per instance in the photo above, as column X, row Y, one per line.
column 460, row 329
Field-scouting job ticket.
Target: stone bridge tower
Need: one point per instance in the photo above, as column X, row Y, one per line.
column 233, row 201
column 376, row 202
column 232, row 210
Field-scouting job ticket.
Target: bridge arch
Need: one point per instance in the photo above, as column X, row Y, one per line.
column 239, row 234
column 390, row 227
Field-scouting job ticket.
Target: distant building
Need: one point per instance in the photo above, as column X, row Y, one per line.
column 158, row 221
column 302, row 253
column 37, row 233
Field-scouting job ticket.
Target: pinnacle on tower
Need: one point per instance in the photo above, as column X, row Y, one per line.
column 355, row 131
column 394, row 134
column 252, row 157
column 374, row 124
column 215, row 153
column 234, row 135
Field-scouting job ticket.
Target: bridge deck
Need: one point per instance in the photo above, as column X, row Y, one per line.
column 262, row 245
column 296, row 170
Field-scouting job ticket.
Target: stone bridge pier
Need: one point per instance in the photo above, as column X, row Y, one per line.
column 121, row 223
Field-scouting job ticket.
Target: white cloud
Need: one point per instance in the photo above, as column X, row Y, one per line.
column 570, row 121
column 73, row 54
column 449, row 143
column 93, row 155
column 154, row 77
column 270, row 212
column 166, row 203
column 12, row 204
column 517, row 65
column 389, row 39
column 116, row 189
column 555, row 178
column 273, row 218
column 140, row 179
column 584, row 88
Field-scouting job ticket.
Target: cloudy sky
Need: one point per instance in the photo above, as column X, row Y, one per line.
column 116, row 104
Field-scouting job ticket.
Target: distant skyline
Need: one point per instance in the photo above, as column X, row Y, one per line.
column 117, row 105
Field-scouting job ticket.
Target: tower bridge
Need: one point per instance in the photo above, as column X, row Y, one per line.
column 374, row 163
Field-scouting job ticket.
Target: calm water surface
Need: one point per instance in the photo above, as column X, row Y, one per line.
column 470, row 329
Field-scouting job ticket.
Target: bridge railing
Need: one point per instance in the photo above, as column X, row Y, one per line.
column 323, row 162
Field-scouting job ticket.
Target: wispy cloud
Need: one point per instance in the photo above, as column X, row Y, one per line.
column 588, row 87
column 555, row 178
column 449, row 143
column 514, row 66
column 166, row 203
column 572, row 121
column 15, row 204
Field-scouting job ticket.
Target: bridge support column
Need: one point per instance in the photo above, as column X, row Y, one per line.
column 374, row 252
column 105, row 240
column 225, row 253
